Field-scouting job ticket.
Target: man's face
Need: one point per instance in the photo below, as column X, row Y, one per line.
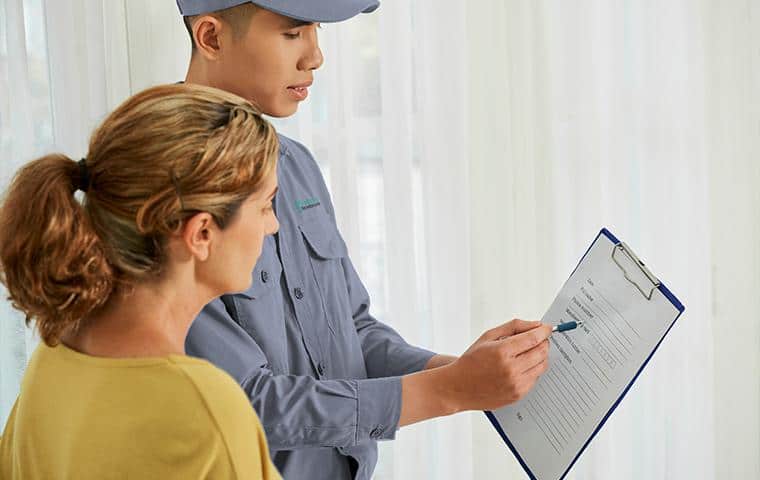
column 271, row 64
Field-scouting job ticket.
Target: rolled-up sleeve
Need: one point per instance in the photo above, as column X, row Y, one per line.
column 300, row 412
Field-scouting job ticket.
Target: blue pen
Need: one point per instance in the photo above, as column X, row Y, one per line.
column 563, row 327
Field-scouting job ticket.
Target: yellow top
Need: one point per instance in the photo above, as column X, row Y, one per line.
column 175, row 417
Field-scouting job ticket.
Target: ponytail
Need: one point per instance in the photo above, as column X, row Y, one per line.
column 51, row 260
column 161, row 155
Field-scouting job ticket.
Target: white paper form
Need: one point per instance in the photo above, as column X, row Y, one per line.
column 591, row 367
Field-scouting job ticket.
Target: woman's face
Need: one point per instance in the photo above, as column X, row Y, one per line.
column 237, row 248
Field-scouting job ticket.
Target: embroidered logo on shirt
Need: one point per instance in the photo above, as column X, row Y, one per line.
column 307, row 203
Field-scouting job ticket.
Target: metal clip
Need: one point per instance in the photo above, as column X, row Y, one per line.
column 632, row 256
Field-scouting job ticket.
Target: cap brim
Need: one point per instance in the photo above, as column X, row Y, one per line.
column 319, row 11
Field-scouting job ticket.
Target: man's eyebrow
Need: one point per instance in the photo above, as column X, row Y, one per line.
column 293, row 23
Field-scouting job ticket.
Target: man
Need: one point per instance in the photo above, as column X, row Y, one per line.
column 326, row 378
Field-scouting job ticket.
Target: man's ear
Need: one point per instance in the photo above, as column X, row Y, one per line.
column 207, row 31
column 197, row 234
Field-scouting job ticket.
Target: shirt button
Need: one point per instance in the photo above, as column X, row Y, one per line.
column 264, row 276
column 321, row 369
column 376, row 432
column 298, row 293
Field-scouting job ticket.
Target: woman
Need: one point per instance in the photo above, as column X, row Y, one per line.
column 178, row 187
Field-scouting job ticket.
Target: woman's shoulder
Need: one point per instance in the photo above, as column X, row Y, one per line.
column 234, row 417
column 221, row 395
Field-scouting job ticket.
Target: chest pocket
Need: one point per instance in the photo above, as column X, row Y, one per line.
column 326, row 249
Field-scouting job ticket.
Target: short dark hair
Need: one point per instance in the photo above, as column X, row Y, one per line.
column 238, row 17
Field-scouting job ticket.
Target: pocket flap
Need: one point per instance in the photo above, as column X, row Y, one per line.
column 323, row 237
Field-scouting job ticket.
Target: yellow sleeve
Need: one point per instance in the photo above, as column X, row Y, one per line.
column 237, row 422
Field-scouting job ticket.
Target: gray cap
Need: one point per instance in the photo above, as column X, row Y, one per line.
column 306, row 10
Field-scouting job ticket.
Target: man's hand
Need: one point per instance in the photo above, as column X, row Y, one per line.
column 498, row 369
column 501, row 366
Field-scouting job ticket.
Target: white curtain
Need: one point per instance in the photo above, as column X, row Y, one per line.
column 642, row 116
column 25, row 131
column 473, row 149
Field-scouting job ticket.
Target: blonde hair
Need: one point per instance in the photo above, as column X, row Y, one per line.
column 164, row 155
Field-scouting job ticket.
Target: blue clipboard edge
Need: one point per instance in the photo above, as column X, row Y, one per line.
column 676, row 303
column 504, row 437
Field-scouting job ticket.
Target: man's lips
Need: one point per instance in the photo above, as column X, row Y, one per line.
column 302, row 85
column 300, row 91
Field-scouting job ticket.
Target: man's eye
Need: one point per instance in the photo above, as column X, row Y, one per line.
column 292, row 36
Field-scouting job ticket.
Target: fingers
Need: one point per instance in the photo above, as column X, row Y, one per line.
column 510, row 328
column 536, row 371
column 530, row 376
column 522, row 342
column 535, row 356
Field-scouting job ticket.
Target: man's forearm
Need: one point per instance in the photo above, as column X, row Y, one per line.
column 427, row 394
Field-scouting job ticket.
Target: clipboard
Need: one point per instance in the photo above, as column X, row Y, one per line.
column 644, row 283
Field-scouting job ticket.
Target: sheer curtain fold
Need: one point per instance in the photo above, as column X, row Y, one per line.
column 16, row 79
column 440, row 91
column 17, row 142
column 395, row 32
column 732, row 67
column 342, row 129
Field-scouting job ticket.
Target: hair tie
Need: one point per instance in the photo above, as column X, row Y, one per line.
column 84, row 176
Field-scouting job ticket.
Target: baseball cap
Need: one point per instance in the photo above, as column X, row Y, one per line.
column 317, row 11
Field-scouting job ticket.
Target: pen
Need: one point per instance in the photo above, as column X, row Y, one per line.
column 562, row 327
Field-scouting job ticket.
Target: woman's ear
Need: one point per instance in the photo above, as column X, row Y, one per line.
column 197, row 234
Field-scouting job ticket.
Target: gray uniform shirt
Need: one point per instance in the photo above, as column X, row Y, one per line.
column 321, row 372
